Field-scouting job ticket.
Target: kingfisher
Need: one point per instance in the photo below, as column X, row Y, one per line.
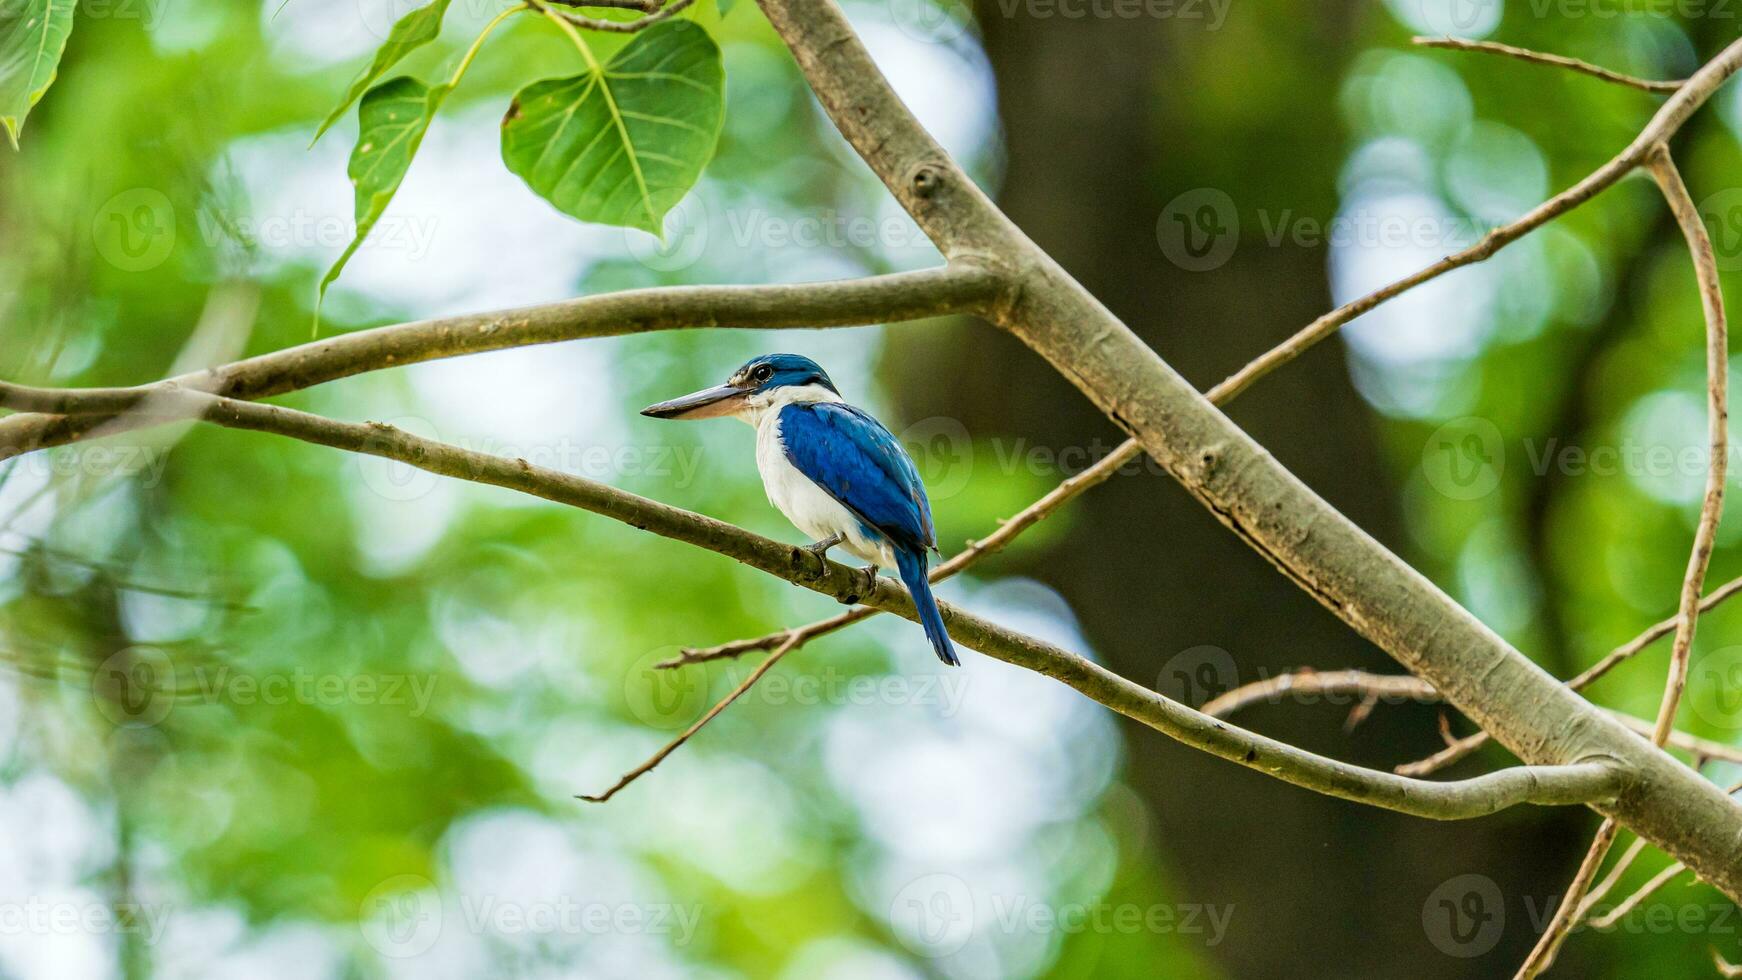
column 833, row 470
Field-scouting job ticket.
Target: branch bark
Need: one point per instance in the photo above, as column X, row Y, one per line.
column 1372, row 688
column 1589, row 780
column 1353, row 575
column 960, row 287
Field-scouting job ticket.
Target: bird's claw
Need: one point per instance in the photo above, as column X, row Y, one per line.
column 818, row 550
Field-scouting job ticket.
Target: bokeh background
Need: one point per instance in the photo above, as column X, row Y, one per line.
column 269, row 710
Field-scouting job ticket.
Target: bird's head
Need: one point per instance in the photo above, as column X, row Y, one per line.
column 761, row 382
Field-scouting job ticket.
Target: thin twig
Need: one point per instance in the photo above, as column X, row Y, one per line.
column 1542, row 956
column 642, row 6
column 672, row 746
column 1628, row 904
column 1667, row 120
column 1613, row 878
column 1693, row 226
column 1726, row 969
column 615, row 26
column 1554, row 60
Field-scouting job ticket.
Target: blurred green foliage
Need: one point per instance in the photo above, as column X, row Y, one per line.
column 315, row 715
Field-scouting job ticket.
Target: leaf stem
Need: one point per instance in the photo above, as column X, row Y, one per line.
column 574, row 35
column 478, row 42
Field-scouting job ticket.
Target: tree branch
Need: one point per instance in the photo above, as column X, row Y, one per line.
column 1687, row 215
column 1690, row 95
column 1593, row 779
column 1464, row 746
column 1553, row 60
column 700, row 723
column 1371, row 687
column 1355, row 577
column 960, row 287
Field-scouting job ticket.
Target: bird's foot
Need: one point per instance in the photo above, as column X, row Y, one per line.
column 819, row 552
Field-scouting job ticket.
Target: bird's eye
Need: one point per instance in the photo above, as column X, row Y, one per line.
column 762, row 373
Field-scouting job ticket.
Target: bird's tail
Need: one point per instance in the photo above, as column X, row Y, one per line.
column 911, row 565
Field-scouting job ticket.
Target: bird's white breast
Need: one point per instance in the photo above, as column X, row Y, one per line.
column 808, row 506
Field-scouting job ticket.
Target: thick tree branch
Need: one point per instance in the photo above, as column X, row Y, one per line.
column 1470, row 743
column 960, row 287
column 1593, row 779
column 1354, row 576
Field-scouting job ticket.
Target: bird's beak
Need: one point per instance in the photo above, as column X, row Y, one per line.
column 705, row 404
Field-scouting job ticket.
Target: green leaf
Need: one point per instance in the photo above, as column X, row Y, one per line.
column 392, row 120
column 409, row 33
column 624, row 144
column 33, row 35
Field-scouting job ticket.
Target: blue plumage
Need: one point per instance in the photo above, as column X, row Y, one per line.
column 854, row 459
column 852, row 456
column 835, row 471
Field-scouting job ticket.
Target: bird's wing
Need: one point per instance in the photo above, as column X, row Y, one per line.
column 856, row 461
